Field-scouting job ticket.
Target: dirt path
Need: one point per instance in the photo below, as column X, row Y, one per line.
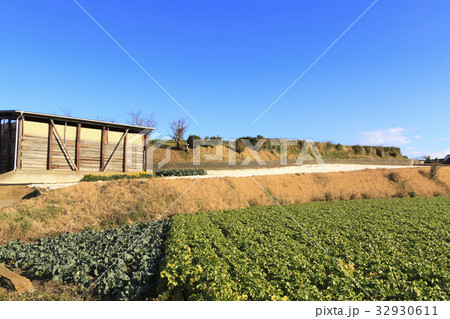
column 9, row 194
column 6, row 202
column 326, row 168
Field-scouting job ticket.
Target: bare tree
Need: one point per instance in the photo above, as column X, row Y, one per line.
column 177, row 130
column 104, row 119
column 65, row 111
column 139, row 118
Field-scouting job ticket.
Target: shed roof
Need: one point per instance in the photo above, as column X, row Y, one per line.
column 13, row 114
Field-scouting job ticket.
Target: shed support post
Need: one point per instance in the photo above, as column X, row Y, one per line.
column 8, row 148
column 146, row 161
column 102, row 150
column 77, row 146
column 125, row 152
column 1, row 142
column 19, row 124
column 50, row 146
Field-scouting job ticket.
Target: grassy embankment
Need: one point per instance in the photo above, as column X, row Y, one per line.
column 328, row 150
column 114, row 203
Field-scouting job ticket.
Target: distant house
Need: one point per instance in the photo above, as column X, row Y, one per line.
column 447, row 159
column 42, row 142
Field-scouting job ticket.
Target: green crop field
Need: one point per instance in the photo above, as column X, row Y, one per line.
column 396, row 249
column 385, row 249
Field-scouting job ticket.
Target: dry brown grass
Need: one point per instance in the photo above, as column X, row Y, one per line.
column 100, row 205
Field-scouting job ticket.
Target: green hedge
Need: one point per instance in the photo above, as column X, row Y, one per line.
column 98, row 177
column 156, row 173
column 179, row 172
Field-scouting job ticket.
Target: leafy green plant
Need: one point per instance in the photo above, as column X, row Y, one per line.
column 101, row 177
column 394, row 177
column 434, row 170
column 82, row 257
column 392, row 151
column 179, row 172
column 357, row 149
column 379, row 151
column 240, row 146
column 190, row 140
column 138, row 175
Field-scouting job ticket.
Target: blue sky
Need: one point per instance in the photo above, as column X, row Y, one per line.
column 386, row 81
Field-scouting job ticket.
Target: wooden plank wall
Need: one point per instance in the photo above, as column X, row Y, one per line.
column 35, row 150
column 7, row 159
column 135, row 158
column 59, row 160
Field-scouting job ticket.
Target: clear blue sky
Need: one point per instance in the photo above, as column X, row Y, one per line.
column 386, row 81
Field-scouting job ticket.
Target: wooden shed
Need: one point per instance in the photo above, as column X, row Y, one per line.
column 35, row 141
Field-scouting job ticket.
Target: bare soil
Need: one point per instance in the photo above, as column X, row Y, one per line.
column 10, row 194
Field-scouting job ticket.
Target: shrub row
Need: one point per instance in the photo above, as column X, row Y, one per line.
column 179, row 172
column 100, row 177
column 137, row 175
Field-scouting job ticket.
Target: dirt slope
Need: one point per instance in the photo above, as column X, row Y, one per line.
column 9, row 194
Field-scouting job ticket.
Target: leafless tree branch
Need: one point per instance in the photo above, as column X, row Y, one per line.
column 65, row 111
column 139, row 118
column 178, row 129
column 104, row 119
